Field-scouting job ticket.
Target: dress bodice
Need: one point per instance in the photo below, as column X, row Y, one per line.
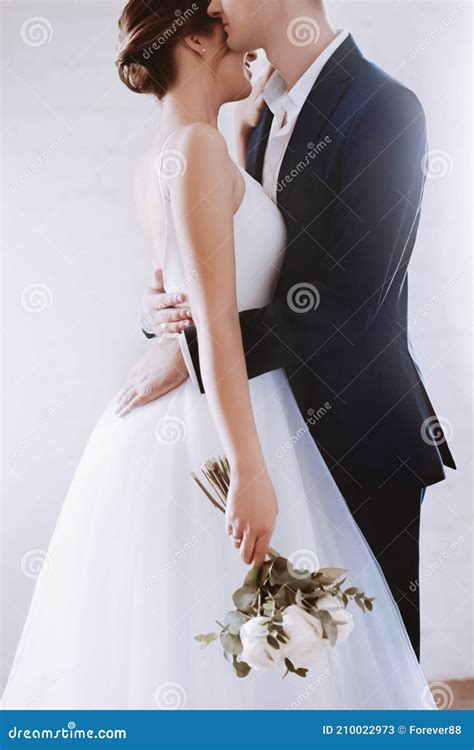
column 259, row 244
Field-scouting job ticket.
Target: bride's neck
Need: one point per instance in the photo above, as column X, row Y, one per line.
column 181, row 106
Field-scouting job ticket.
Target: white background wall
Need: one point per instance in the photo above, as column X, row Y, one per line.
column 72, row 134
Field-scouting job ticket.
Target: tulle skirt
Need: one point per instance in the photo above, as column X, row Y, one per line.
column 140, row 563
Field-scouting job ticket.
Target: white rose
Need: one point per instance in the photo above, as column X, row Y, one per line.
column 305, row 634
column 257, row 653
column 340, row 613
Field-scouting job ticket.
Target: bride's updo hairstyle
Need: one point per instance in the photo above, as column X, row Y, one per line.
column 149, row 32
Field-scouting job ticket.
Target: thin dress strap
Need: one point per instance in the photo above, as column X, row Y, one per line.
column 168, row 164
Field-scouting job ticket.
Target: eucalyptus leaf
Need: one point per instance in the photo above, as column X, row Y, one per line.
column 263, row 573
column 231, row 643
column 251, row 578
column 205, row 639
column 272, row 641
column 244, row 598
column 301, row 672
column 277, row 616
column 289, row 665
column 234, row 621
column 242, row 669
column 279, row 571
column 351, row 591
column 282, row 597
column 332, row 573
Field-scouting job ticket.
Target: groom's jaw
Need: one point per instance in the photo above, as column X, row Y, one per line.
column 244, row 22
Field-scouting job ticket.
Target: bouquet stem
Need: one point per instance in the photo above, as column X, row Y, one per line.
column 217, row 473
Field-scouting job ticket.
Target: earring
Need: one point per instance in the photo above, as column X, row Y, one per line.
column 203, row 49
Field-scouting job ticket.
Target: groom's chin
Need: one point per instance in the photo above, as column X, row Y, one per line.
column 234, row 45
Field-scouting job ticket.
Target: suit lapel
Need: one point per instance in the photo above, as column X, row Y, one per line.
column 316, row 112
column 258, row 146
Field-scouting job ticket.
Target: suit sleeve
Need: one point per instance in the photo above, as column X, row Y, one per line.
column 372, row 220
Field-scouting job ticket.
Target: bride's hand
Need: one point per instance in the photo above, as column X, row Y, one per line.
column 248, row 112
column 251, row 515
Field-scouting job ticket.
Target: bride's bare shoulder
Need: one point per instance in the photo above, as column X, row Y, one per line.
column 203, row 148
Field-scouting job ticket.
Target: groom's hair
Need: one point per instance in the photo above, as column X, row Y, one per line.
column 149, row 32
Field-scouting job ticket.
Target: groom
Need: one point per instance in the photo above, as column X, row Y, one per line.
column 341, row 148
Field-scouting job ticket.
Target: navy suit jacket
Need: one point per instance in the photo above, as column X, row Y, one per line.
column 350, row 190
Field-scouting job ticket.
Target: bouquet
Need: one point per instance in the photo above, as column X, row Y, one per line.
column 283, row 615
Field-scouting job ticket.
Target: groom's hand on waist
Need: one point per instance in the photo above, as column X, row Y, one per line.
column 163, row 314
column 161, row 370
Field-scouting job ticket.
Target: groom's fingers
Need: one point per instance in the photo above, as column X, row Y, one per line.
column 171, row 315
column 136, row 401
column 175, row 327
column 169, row 300
column 125, row 399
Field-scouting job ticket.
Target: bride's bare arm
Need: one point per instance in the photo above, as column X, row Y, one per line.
column 203, row 202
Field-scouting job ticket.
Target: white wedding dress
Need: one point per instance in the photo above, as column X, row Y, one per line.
column 140, row 563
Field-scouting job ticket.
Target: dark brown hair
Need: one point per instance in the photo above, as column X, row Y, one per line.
column 149, row 31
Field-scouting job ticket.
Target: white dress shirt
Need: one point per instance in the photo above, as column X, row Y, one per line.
column 280, row 101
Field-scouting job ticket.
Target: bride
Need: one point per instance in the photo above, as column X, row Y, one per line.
column 140, row 562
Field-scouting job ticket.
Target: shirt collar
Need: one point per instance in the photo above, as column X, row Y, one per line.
column 276, row 93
